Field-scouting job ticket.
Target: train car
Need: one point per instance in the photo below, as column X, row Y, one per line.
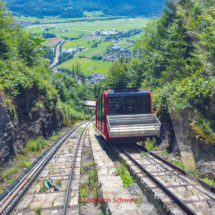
column 125, row 114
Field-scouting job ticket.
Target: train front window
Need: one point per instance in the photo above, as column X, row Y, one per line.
column 128, row 105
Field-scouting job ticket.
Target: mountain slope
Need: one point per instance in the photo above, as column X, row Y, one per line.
column 75, row 8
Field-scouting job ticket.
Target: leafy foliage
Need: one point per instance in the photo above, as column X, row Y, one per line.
column 125, row 176
column 175, row 58
column 24, row 69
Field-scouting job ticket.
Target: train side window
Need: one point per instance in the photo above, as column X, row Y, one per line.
column 98, row 111
column 103, row 109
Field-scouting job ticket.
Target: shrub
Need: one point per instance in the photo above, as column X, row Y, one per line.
column 43, row 189
column 82, row 171
column 149, row 145
column 92, row 178
column 125, row 176
column 38, row 211
column 25, row 164
column 211, row 182
column 177, row 163
column 35, row 145
column 165, row 152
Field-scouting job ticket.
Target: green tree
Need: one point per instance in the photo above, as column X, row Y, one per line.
column 77, row 68
column 5, row 22
column 83, row 78
column 118, row 75
column 73, row 71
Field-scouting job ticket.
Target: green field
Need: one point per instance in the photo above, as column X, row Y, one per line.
column 92, row 51
column 69, row 34
column 123, row 45
column 134, row 37
column 46, row 44
column 84, row 43
column 33, row 29
column 81, row 43
column 119, row 24
column 132, row 47
column 88, row 66
column 98, row 53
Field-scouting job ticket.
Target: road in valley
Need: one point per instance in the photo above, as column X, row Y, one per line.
column 57, row 54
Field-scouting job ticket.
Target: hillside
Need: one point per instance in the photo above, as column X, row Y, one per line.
column 34, row 101
column 75, row 8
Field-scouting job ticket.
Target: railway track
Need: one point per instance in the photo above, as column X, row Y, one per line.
column 179, row 193
column 62, row 164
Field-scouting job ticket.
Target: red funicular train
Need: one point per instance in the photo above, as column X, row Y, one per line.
column 126, row 114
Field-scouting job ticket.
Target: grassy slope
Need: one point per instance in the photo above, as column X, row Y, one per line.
column 33, row 29
column 98, row 53
column 92, row 50
column 47, row 44
column 69, row 34
column 123, row 45
column 102, row 25
column 81, row 42
column 134, row 37
column 101, row 67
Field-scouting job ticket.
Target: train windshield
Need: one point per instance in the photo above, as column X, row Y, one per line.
column 128, row 105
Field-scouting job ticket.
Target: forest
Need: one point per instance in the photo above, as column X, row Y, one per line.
column 75, row 9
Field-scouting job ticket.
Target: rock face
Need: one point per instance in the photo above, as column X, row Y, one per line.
column 182, row 138
column 167, row 136
column 206, row 169
column 7, row 134
column 29, row 122
column 178, row 137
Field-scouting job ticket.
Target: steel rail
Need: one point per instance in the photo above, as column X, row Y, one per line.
column 28, row 179
column 207, row 186
column 66, row 202
column 171, row 195
column 179, row 176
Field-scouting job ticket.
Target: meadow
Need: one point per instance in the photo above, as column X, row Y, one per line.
column 92, row 51
column 135, row 37
column 88, row 65
column 35, row 29
column 67, row 34
column 81, row 43
column 45, row 43
column 87, row 43
column 119, row 24
column 123, row 45
column 98, row 53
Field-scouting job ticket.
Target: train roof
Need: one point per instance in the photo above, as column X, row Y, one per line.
column 126, row 92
